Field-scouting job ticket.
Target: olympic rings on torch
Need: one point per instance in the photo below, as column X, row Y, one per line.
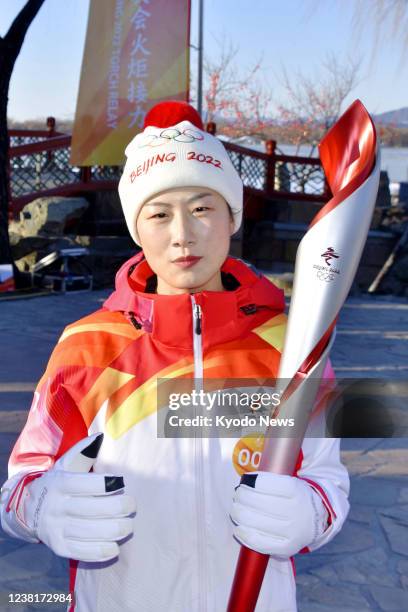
column 325, row 275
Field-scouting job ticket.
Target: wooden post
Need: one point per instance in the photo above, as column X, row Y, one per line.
column 85, row 174
column 51, row 126
column 270, row 148
column 51, row 132
column 211, row 128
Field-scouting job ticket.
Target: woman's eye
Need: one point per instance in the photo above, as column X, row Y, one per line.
column 198, row 209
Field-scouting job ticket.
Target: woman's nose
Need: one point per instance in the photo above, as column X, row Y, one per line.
column 182, row 230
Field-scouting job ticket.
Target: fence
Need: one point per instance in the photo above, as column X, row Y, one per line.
column 39, row 166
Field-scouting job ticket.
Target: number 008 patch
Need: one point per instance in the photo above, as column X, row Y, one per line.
column 247, row 454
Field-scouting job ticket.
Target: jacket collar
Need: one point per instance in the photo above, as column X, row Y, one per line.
column 169, row 318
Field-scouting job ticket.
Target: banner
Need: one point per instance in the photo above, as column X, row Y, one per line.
column 136, row 54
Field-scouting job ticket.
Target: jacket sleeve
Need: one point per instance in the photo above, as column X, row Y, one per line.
column 44, row 438
column 322, row 468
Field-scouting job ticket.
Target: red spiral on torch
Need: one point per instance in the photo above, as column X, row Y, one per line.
column 347, row 153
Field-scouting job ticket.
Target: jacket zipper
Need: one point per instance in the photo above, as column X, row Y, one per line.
column 199, row 461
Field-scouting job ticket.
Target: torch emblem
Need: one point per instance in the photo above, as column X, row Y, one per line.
column 329, row 254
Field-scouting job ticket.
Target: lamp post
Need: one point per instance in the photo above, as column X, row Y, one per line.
column 200, row 57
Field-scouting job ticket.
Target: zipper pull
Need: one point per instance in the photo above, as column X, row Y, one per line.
column 197, row 316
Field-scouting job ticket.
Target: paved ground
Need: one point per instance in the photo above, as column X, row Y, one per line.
column 364, row 568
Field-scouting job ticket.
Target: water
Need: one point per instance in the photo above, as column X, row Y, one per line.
column 395, row 162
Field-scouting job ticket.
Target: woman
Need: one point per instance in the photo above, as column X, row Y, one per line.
column 182, row 309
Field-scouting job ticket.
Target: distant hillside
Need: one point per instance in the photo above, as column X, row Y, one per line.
column 397, row 118
column 62, row 125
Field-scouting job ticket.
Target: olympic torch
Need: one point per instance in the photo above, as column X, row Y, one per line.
column 326, row 263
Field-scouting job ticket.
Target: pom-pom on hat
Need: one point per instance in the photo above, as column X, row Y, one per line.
column 165, row 114
column 174, row 151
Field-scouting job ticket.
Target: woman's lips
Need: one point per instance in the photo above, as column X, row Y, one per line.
column 191, row 261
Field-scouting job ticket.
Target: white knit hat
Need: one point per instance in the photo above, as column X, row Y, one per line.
column 178, row 156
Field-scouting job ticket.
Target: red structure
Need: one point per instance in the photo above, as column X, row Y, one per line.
column 39, row 167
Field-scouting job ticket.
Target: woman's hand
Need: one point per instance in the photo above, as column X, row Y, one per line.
column 79, row 515
column 277, row 515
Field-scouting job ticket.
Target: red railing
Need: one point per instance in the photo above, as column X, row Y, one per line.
column 279, row 176
column 39, row 166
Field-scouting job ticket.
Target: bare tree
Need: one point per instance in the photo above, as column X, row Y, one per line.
column 10, row 47
column 235, row 96
column 222, row 80
column 389, row 18
column 314, row 103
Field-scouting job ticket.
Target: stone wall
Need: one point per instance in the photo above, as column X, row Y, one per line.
column 51, row 224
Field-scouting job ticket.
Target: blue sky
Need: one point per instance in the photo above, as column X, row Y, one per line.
column 292, row 33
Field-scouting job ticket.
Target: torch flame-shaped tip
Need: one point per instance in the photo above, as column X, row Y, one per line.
column 348, row 154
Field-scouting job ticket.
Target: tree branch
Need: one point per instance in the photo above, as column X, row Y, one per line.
column 15, row 36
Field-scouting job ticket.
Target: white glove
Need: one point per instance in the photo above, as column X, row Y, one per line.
column 79, row 515
column 277, row 515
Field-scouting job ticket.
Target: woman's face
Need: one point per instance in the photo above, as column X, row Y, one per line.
column 190, row 221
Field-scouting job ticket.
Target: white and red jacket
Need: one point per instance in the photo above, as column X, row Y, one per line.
column 101, row 378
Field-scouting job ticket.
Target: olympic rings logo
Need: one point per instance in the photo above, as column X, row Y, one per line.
column 325, row 275
column 186, row 136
